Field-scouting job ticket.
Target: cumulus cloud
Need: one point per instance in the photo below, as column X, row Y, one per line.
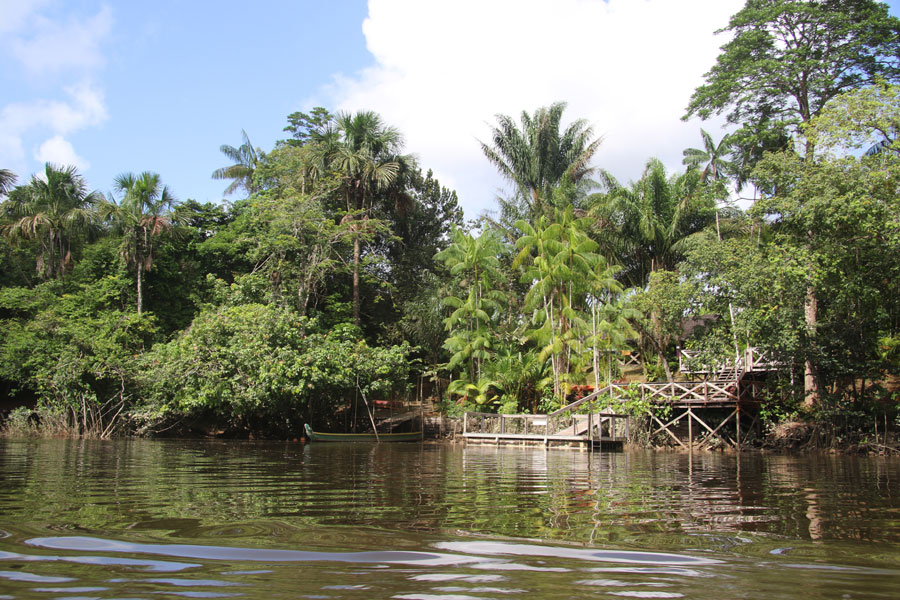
column 83, row 107
column 56, row 50
column 59, row 151
column 444, row 68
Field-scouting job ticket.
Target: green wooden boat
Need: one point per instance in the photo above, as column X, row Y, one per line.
column 316, row 436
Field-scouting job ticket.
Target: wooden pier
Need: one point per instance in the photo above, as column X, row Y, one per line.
column 721, row 409
column 566, row 427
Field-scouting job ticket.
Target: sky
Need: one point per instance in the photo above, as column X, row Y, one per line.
column 131, row 86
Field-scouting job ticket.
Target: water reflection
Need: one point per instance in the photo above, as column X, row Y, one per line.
column 106, row 519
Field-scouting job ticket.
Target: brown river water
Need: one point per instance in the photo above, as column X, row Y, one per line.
column 195, row 519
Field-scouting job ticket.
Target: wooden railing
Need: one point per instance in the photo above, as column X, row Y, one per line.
column 678, row 392
column 752, row 360
column 576, row 421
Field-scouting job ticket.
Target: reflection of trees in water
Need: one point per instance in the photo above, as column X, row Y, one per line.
column 202, row 489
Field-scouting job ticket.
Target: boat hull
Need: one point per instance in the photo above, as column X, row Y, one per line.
column 316, row 436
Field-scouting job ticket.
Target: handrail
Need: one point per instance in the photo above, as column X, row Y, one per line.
column 577, row 403
column 753, row 359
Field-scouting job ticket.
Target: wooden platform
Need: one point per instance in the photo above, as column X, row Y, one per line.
column 590, row 430
column 719, row 409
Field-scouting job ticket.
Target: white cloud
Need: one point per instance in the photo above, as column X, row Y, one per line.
column 55, row 47
column 44, row 45
column 59, row 151
column 15, row 13
column 83, row 107
column 444, row 68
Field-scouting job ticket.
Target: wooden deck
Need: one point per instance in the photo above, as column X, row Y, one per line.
column 723, row 407
column 565, row 427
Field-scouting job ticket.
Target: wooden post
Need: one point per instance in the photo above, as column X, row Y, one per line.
column 690, row 416
column 738, row 421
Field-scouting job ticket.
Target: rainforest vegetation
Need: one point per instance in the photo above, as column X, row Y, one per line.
column 340, row 269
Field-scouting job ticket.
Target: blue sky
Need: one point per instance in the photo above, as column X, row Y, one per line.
column 132, row 86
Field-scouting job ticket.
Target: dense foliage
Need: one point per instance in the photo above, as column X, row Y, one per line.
column 346, row 273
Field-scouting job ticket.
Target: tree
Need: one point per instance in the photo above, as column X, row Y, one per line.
column 838, row 212
column 788, row 58
column 644, row 225
column 567, row 277
column 857, row 119
column 246, row 159
column 365, row 154
column 265, row 369
column 711, row 159
column 664, row 305
column 475, row 267
column 536, row 156
column 140, row 215
column 7, row 179
column 308, row 127
column 420, row 229
column 288, row 237
column 57, row 210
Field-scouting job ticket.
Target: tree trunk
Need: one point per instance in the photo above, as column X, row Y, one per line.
column 665, row 363
column 356, row 259
column 140, row 299
column 810, row 312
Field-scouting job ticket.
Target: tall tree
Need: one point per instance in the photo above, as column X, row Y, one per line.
column 56, row 210
column 142, row 213
column 306, row 128
column 366, row 156
column 474, row 264
column 712, row 159
column 536, row 155
column 644, row 225
column 246, row 160
column 567, row 277
column 838, row 212
column 787, row 59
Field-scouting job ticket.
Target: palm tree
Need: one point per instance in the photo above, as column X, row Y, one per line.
column 567, row 277
column 246, row 159
column 644, row 225
column 365, row 153
column 57, row 210
column 142, row 213
column 716, row 169
column 473, row 263
column 539, row 154
column 712, row 158
column 7, row 179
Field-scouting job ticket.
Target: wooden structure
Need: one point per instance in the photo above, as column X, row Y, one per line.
column 728, row 392
column 576, row 425
column 719, row 405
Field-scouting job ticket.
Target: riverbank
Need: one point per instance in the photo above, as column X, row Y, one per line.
column 790, row 437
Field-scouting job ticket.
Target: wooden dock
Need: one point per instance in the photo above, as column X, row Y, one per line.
column 567, row 427
column 720, row 409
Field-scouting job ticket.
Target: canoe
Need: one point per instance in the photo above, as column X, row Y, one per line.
column 317, row 436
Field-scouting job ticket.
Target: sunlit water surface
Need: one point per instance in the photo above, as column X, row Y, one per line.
column 142, row 519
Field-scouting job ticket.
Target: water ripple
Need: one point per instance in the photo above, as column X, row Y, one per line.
column 93, row 544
